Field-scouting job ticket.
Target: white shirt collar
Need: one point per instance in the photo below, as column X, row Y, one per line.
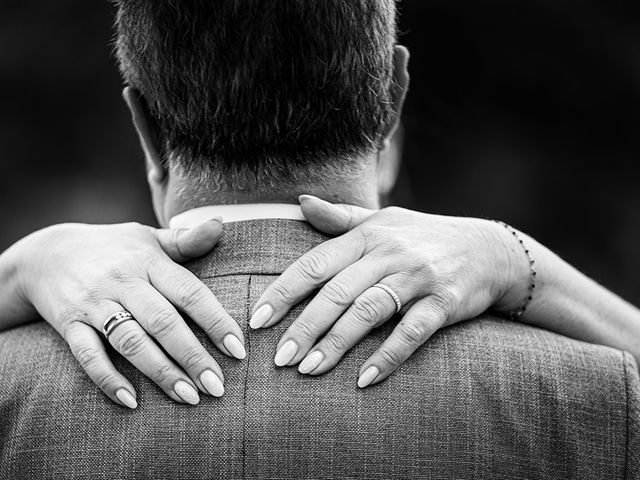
column 236, row 213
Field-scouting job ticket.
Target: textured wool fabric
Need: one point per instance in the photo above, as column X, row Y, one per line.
column 483, row 399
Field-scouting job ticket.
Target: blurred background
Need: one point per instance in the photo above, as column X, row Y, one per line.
column 522, row 110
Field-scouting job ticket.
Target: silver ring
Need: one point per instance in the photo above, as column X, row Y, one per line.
column 393, row 295
column 111, row 323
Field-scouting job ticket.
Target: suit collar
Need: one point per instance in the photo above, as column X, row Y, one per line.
column 237, row 213
column 264, row 246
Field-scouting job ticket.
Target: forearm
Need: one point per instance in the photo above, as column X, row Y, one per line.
column 568, row 302
column 15, row 308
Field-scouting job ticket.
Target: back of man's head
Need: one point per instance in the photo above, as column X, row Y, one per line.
column 261, row 90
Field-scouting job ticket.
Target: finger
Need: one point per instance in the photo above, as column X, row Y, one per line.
column 368, row 311
column 133, row 343
column 182, row 244
column 326, row 307
column 165, row 325
column 420, row 322
column 304, row 276
column 334, row 219
column 183, row 289
column 89, row 350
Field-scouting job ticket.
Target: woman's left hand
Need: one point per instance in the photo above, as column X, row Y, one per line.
column 442, row 269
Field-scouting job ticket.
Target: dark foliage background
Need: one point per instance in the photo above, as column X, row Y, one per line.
column 523, row 110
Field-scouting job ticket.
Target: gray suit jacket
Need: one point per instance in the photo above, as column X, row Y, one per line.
column 483, row 399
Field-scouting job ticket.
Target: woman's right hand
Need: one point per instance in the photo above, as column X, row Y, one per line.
column 76, row 276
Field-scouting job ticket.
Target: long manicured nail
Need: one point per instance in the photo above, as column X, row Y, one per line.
column 368, row 376
column 212, row 383
column 235, row 347
column 262, row 316
column 286, row 353
column 311, row 362
column 186, row 392
column 125, row 397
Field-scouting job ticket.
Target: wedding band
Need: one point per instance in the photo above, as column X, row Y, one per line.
column 393, row 295
column 111, row 323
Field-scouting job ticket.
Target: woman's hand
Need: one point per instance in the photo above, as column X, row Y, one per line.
column 76, row 276
column 443, row 269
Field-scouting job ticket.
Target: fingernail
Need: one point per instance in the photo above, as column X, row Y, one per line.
column 368, row 376
column 286, row 353
column 311, row 362
column 212, row 383
column 125, row 397
column 262, row 316
column 302, row 198
column 235, row 347
column 186, row 392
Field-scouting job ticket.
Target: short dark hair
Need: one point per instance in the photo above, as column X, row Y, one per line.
column 231, row 83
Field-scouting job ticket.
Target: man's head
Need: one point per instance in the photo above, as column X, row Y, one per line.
column 247, row 95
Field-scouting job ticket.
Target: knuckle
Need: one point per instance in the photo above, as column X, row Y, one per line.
column 445, row 300
column 305, row 331
column 422, row 262
column 370, row 234
column 148, row 258
column 163, row 373
column 392, row 246
column 334, row 342
column 313, row 266
column 366, row 310
column 68, row 327
column 107, row 381
column 87, row 356
column 161, row 322
column 193, row 358
column 189, row 294
column 118, row 273
column 281, row 291
column 214, row 325
column 412, row 334
column 131, row 344
column 338, row 294
column 401, row 246
column 368, row 229
column 390, row 357
column 91, row 296
column 69, row 315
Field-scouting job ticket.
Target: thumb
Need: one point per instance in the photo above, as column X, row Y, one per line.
column 182, row 244
column 330, row 218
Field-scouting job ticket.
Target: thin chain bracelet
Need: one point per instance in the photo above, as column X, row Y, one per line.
column 517, row 313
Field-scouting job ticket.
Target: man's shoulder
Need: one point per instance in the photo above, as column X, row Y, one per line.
column 533, row 359
column 28, row 344
column 482, row 396
column 513, row 342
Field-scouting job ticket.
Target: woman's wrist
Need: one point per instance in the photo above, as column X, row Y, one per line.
column 516, row 272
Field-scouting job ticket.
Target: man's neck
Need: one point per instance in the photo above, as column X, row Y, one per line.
column 183, row 194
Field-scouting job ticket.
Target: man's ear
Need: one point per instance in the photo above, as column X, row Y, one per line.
column 147, row 134
column 398, row 89
column 389, row 160
column 390, row 153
